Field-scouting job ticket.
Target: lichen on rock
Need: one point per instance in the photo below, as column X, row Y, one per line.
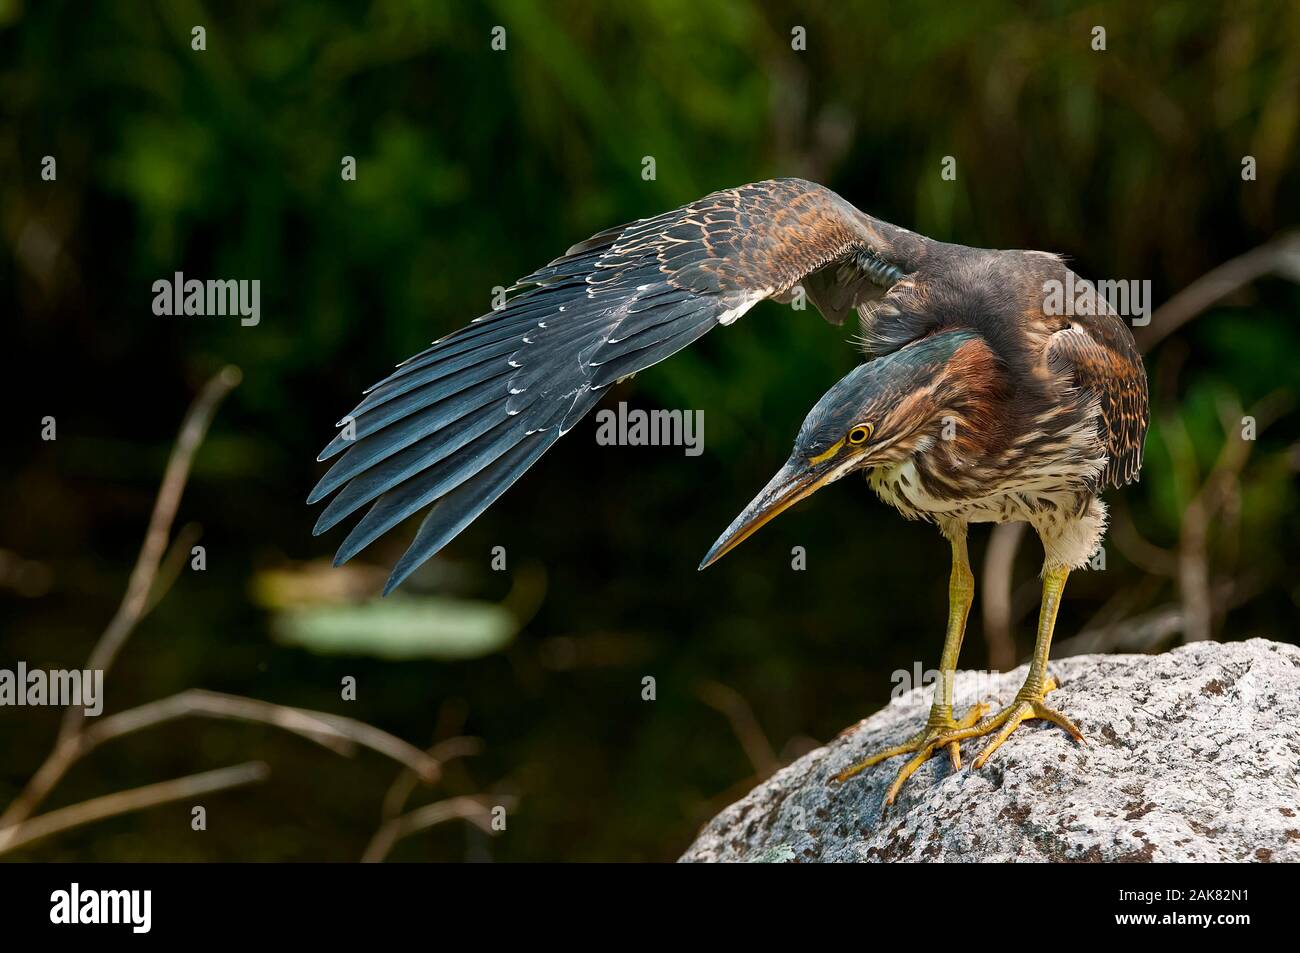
column 1192, row 755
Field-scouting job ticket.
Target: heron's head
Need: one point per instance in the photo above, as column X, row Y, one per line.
column 877, row 415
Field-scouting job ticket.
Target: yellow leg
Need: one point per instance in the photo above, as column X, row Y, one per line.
column 1028, row 702
column 961, row 592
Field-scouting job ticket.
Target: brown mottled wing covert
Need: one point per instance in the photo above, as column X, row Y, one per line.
column 1099, row 354
column 458, row 423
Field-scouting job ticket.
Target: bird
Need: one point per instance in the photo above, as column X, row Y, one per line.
column 975, row 401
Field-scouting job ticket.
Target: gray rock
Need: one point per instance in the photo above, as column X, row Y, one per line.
column 1193, row 755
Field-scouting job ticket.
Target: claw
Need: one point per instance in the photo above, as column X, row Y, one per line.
column 1009, row 719
column 968, row 720
column 922, row 746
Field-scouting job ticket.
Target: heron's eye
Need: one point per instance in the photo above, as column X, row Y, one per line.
column 860, row 434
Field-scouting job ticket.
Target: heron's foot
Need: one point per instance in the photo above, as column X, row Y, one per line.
column 922, row 746
column 1028, row 704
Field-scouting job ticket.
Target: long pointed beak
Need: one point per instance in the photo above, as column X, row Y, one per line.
column 795, row 481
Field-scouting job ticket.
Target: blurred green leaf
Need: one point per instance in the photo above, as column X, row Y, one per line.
column 434, row 627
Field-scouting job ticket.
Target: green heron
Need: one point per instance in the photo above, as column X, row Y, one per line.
column 975, row 403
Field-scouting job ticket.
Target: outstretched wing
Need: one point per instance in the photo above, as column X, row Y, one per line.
column 458, row 423
column 1098, row 353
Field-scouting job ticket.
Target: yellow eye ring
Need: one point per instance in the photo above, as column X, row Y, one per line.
column 860, row 434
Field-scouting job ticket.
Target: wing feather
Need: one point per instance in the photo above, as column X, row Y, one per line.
column 1100, row 356
column 459, row 422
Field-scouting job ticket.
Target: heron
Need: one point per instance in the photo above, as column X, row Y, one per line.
column 974, row 403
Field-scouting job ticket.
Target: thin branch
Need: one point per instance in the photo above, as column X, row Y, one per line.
column 744, row 724
column 197, row 702
column 404, row 784
column 1203, row 508
column 461, row 746
column 172, row 564
column 377, row 739
column 136, row 600
column 338, row 733
column 995, row 589
column 136, row 799
column 1279, row 256
column 156, row 568
column 1152, row 629
column 451, row 717
column 1123, row 603
column 1140, row 633
column 1137, row 549
column 476, row 809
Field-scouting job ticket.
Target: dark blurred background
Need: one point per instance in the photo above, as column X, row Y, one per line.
column 473, row 167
